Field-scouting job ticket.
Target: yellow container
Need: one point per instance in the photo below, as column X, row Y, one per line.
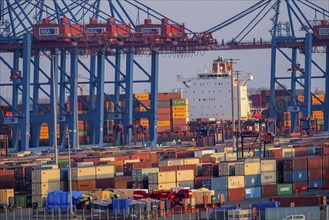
column 44, row 188
column 316, row 101
column 5, row 194
column 176, row 109
column 103, row 172
column 102, row 195
column 184, row 175
column 162, row 177
column 235, row 182
column 317, row 114
column 83, row 173
column 42, row 176
column 142, row 96
column 288, row 152
column 268, row 165
column 144, row 122
column 163, row 123
column 180, row 115
column 191, row 161
column 162, row 186
column 251, row 168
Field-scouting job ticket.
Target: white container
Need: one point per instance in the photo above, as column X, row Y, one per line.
column 184, row 175
column 103, row 172
column 161, row 186
column 191, row 161
column 5, row 194
column 171, row 162
column 251, row 167
column 44, row 188
column 85, row 164
column 219, row 157
column 226, row 169
column 268, row 177
column 200, row 153
column 162, row 177
column 189, row 184
column 288, row 152
column 239, row 169
column 235, row 182
column 131, row 161
column 268, row 166
column 83, row 173
column 41, row 176
column 107, row 159
column 230, row 156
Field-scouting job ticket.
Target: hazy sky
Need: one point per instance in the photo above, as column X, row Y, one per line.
column 202, row 15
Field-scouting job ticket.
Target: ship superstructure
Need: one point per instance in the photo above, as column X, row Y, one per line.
column 209, row 94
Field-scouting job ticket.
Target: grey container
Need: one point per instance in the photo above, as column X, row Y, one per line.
column 142, row 174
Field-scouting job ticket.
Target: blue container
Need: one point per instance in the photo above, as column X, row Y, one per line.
column 206, row 183
column 295, row 176
column 219, row 183
column 315, row 183
column 252, row 193
column 219, row 192
column 311, row 150
column 122, row 206
column 262, row 205
column 252, row 180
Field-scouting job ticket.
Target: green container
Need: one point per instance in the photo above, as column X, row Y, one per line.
column 269, row 146
column 63, row 161
column 320, row 122
column 213, row 200
column 284, row 189
column 24, row 201
column 178, row 102
column 142, row 174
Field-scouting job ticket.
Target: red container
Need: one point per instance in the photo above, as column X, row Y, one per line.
column 7, row 180
column 141, row 156
column 198, row 181
column 164, row 110
column 122, row 178
column 179, row 121
column 123, row 185
column 182, row 154
column 315, row 174
column 326, row 161
column 187, row 167
column 164, row 117
column 208, row 170
column 129, row 167
column 235, row 194
column 207, row 160
column 175, row 95
column 163, row 97
column 105, row 183
column 269, row 190
column 155, row 158
column 168, row 168
column 275, row 153
column 179, row 128
column 122, row 158
column 164, row 129
column 84, row 185
column 298, row 185
column 118, row 165
column 300, row 151
column 298, row 163
column 315, row 162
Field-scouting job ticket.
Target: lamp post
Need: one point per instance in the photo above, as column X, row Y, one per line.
column 70, row 171
column 238, row 98
column 232, row 61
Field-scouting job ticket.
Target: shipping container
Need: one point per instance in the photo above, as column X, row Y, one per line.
column 162, row 186
column 268, row 177
column 84, row 185
column 216, row 183
column 105, row 183
column 275, row 152
column 5, row 194
column 142, row 174
column 315, row 162
column 104, row 172
column 191, row 161
column 315, row 183
column 236, row 194
column 179, row 102
column 171, row 162
column 298, row 163
column 184, row 175
column 83, row 173
column 252, row 180
column 269, row 190
column 252, row 193
column 268, row 166
column 49, row 175
column 284, row 189
column 235, row 182
column 189, row 184
column 162, row 177
column 314, row 174
column 226, row 169
column 45, row 187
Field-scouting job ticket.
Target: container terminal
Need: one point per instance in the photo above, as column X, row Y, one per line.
column 209, row 151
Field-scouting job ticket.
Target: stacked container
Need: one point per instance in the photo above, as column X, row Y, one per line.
column 252, row 178
column 162, row 180
column 164, row 112
column 179, row 111
column 5, row 195
column 295, row 172
column 140, row 177
column 83, row 178
column 105, row 176
column 44, row 181
column 314, row 173
column 185, row 178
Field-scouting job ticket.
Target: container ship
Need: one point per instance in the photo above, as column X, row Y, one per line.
column 209, row 93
